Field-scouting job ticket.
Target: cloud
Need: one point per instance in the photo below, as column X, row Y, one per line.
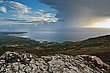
column 11, row 21
column 35, row 17
column 46, row 16
column 20, row 8
column 3, row 9
column 80, row 12
column 42, row 13
column 39, row 16
column 1, row 0
column 23, row 12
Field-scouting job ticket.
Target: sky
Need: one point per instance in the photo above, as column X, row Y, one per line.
column 70, row 20
column 80, row 13
column 72, row 13
column 26, row 12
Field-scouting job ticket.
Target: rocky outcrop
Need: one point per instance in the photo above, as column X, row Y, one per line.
column 14, row 62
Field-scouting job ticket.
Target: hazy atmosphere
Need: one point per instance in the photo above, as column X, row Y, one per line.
column 55, row 20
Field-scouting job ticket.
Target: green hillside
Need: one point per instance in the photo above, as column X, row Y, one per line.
column 99, row 46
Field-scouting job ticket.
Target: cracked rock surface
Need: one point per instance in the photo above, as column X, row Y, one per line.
column 16, row 62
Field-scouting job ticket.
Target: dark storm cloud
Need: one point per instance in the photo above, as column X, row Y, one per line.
column 80, row 10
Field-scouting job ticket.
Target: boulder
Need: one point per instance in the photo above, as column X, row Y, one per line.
column 17, row 62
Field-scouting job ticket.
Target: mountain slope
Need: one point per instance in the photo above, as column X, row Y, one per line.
column 99, row 46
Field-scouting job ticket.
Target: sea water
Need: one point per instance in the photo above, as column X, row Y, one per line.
column 55, row 34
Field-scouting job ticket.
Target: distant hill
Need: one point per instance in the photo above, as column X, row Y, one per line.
column 12, row 32
column 99, row 46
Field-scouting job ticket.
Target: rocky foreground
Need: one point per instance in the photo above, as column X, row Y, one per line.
column 14, row 62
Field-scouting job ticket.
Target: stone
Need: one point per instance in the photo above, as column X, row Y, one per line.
column 26, row 63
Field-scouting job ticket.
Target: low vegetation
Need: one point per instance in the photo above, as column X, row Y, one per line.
column 99, row 46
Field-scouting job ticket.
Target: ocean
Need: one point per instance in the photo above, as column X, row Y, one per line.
column 56, row 35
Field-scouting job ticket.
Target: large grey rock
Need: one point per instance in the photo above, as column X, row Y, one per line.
column 14, row 62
